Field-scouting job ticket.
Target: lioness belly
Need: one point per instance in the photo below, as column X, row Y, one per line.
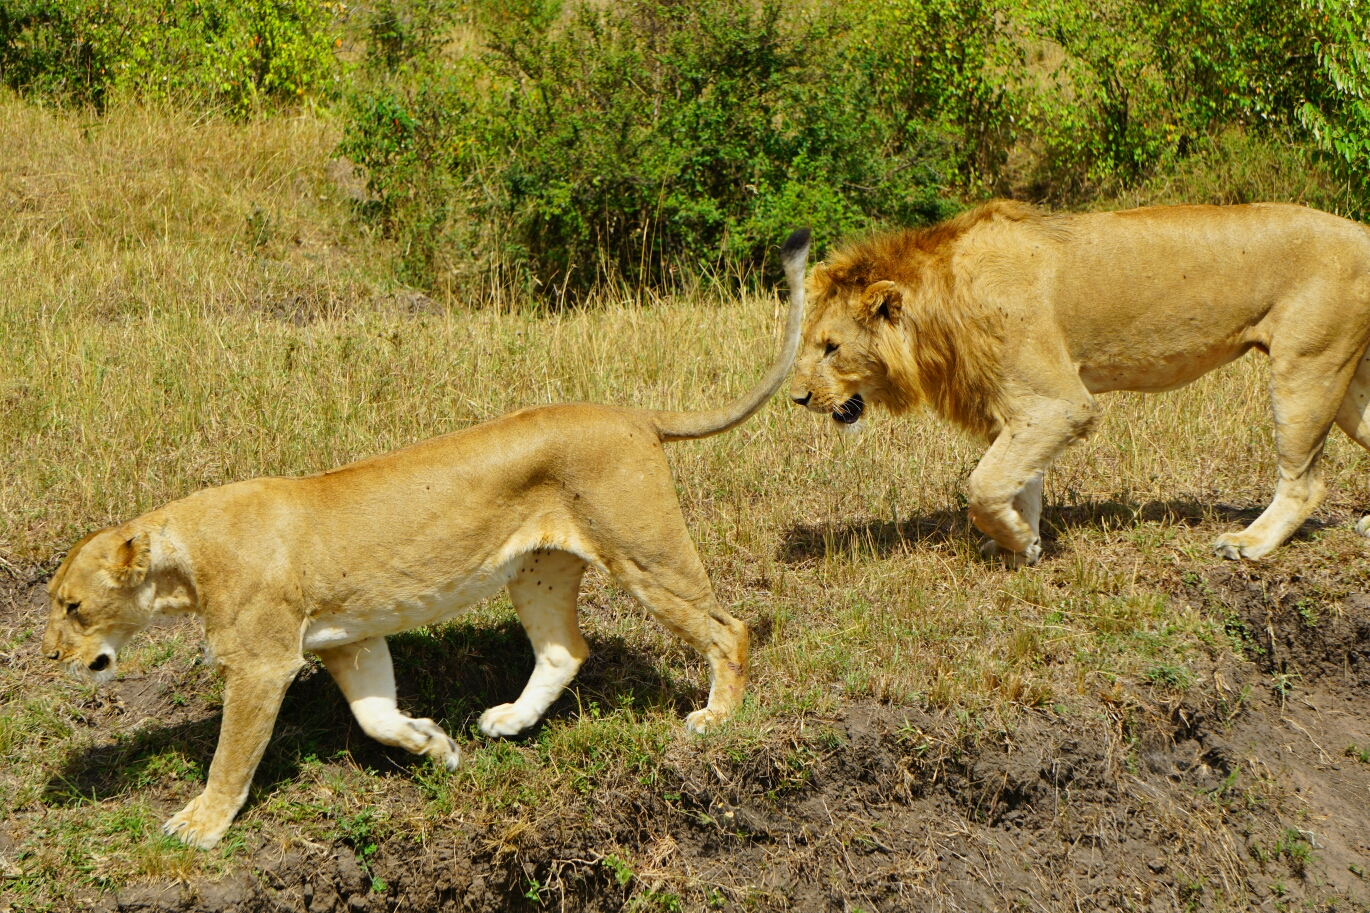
column 392, row 615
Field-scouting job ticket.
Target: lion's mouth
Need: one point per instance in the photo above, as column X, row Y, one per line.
column 849, row 413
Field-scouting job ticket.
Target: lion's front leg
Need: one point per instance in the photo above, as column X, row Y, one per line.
column 252, row 698
column 1005, row 490
column 1028, row 505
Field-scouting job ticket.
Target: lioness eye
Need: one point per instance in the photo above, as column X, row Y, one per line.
column 831, row 348
column 72, row 607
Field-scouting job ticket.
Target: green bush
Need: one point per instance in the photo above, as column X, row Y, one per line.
column 235, row 54
column 1142, row 83
column 631, row 140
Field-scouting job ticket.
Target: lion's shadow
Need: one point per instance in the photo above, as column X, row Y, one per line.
column 451, row 676
column 888, row 538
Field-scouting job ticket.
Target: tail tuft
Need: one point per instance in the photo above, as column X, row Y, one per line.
column 796, row 245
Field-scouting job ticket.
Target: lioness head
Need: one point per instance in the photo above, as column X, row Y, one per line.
column 851, row 341
column 98, row 599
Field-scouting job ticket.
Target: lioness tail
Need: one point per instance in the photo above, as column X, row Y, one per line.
column 685, row 426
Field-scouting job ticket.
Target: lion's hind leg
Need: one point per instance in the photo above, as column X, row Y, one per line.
column 1353, row 417
column 365, row 674
column 544, row 594
column 1308, row 391
column 664, row 574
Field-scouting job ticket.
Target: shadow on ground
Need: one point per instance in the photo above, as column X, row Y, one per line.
column 886, row 538
column 450, row 676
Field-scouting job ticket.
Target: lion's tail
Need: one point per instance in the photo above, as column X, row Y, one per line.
column 685, row 426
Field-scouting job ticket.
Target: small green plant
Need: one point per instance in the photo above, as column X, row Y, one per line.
column 1355, row 752
column 623, row 873
column 1283, row 684
column 534, row 892
column 1295, row 849
column 378, row 886
column 1176, row 677
column 1308, row 611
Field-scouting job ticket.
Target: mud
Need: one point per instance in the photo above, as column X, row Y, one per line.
column 1238, row 795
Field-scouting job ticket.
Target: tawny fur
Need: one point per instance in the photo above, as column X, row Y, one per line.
column 1008, row 321
column 333, row 563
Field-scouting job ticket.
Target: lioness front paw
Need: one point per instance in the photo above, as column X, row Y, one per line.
column 198, row 826
column 990, row 550
column 505, row 720
column 1238, row 545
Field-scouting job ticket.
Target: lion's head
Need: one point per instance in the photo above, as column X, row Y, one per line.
column 844, row 361
column 890, row 325
column 99, row 598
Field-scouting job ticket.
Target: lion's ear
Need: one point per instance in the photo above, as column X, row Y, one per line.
column 881, row 300
column 131, row 561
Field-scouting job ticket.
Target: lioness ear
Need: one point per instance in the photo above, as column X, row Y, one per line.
column 880, row 299
column 131, row 561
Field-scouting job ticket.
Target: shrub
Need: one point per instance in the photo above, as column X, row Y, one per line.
column 235, row 54
column 630, row 140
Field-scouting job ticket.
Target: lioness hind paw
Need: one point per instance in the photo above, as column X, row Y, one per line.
column 439, row 746
column 702, row 721
column 504, row 720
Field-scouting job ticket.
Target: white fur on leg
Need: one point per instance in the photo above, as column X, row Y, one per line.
column 544, row 594
column 367, row 678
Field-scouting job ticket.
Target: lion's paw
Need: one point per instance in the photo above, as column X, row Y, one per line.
column 990, row 550
column 1233, row 546
column 197, row 826
column 702, row 721
column 1363, row 525
column 439, row 746
column 505, row 720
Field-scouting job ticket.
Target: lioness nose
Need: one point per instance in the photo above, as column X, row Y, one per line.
column 804, row 400
column 55, row 655
column 100, row 663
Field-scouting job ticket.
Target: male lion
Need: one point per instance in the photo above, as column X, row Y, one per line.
column 334, row 562
column 1008, row 321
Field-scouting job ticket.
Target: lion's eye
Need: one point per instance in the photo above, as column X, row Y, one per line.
column 830, row 348
column 72, row 607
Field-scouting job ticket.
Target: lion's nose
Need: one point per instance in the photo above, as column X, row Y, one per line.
column 803, row 400
column 55, row 655
column 100, row 664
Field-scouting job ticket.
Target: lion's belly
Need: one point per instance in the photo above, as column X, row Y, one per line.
column 1166, row 372
column 391, row 615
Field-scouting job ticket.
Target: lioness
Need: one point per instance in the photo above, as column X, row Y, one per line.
column 334, row 562
column 1008, row 321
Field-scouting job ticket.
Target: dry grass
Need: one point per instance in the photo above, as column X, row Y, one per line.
column 156, row 340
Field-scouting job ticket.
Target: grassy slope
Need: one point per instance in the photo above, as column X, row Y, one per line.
column 185, row 304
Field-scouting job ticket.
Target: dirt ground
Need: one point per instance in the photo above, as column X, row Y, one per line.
column 1243, row 794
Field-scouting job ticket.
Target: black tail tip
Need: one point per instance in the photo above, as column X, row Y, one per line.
column 796, row 244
